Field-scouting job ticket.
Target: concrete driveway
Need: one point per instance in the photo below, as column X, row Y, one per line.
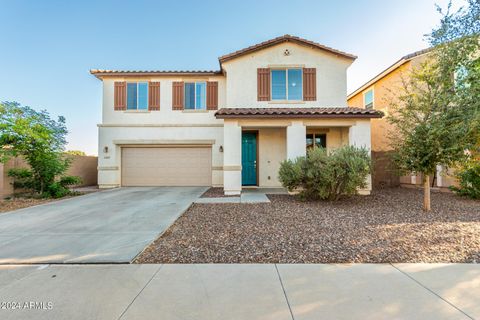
column 110, row 226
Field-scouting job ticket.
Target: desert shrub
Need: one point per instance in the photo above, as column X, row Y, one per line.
column 24, row 179
column 327, row 176
column 469, row 180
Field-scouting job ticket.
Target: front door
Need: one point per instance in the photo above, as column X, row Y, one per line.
column 249, row 158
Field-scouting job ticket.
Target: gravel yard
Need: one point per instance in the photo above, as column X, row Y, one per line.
column 19, row 203
column 388, row 226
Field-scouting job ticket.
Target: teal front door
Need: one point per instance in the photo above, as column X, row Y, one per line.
column 249, row 159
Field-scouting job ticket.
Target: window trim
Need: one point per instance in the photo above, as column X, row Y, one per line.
column 194, row 96
column 286, row 100
column 314, row 134
column 126, row 102
column 373, row 98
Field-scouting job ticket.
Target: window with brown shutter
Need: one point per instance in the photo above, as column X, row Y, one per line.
column 263, row 84
column 309, row 84
column 212, row 95
column 154, row 96
column 120, row 96
column 177, row 95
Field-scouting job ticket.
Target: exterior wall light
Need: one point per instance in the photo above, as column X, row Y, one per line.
column 220, row 149
column 105, row 149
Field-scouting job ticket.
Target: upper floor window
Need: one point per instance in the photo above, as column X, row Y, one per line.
column 195, row 95
column 368, row 99
column 287, row 84
column 137, row 95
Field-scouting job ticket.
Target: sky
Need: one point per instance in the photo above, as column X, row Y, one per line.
column 49, row 46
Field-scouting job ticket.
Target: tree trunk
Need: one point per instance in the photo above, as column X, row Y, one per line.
column 426, row 192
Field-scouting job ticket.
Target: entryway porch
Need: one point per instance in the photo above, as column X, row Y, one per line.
column 254, row 148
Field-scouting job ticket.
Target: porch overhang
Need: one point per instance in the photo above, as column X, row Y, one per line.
column 293, row 112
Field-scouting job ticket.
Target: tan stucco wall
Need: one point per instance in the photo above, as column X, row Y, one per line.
column 272, row 151
column 384, row 91
column 166, row 115
column 109, row 163
column 331, row 75
column 84, row 167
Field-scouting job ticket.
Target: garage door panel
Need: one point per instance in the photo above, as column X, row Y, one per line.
column 166, row 166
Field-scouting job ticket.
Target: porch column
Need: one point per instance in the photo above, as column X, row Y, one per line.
column 232, row 158
column 359, row 135
column 296, row 144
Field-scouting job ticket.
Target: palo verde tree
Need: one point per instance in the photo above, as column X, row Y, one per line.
column 40, row 141
column 435, row 113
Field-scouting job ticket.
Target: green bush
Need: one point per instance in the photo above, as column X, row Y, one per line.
column 327, row 176
column 22, row 178
column 25, row 180
column 469, row 180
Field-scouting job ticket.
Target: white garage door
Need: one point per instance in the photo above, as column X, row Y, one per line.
column 166, row 166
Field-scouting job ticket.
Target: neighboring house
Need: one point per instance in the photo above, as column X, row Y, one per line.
column 377, row 94
column 229, row 128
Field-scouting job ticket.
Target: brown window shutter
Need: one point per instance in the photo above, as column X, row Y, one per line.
column 263, row 84
column 309, row 84
column 120, row 96
column 177, row 95
column 154, row 96
column 212, row 95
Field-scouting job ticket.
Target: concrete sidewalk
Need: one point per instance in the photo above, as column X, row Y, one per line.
column 216, row 291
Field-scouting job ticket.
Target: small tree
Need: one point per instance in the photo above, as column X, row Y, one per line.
column 75, row 153
column 325, row 176
column 38, row 139
column 435, row 113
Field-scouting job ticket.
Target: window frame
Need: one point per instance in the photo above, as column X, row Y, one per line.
column 314, row 134
column 138, row 95
column 373, row 98
column 194, row 96
column 286, row 83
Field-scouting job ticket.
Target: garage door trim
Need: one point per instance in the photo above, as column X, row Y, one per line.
column 144, row 167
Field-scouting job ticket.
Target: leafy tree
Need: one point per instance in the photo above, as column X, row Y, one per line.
column 75, row 153
column 436, row 112
column 40, row 140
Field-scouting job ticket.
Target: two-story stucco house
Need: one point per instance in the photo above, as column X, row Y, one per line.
column 232, row 127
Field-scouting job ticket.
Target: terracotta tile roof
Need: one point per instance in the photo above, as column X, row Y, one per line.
column 293, row 112
column 103, row 72
column 284, row 38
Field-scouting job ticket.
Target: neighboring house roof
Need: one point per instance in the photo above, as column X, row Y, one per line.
column 388, row 70
column 323, row 112
column 281, row 39
column 101, row 72
column 260, row 46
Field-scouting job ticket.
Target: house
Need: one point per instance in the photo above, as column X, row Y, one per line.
column 228, row 128
column 376, row 94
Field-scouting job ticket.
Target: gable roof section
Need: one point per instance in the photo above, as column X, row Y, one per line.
column 281, row 39
column 388, row 70
column 99, row 73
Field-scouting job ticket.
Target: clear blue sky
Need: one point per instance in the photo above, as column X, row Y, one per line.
column 49, row 46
